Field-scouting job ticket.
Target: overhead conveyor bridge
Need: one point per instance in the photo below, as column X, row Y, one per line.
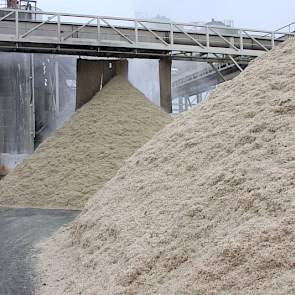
column 32, row 31
column 89, row 35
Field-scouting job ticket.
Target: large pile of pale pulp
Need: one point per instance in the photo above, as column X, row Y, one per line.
column 206, row 207
column 79, row 158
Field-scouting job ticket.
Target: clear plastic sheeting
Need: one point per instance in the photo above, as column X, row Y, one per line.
column 55, row 93
column 149, row 85
column 15, row 104
column 37, row 94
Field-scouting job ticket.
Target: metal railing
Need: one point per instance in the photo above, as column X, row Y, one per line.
column 289, row 27
column 131, row 32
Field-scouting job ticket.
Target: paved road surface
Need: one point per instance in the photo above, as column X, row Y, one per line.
column 20, row 231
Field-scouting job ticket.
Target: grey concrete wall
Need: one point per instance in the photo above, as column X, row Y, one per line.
column 165, row 84
column 91, row 74
column 121, row 67
column 94, row 74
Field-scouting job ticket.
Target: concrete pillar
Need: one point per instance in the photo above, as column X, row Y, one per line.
column 165, row 84
column 57, row 108
column 122, row 67
column 94, row 74
column 180, row 104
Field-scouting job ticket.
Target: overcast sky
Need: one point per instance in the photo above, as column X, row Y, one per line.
column 263, row 14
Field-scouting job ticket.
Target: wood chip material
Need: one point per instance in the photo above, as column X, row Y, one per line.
column 70, row 166
column 206, row 207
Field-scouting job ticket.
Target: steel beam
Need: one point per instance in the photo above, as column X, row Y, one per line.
column 235, row 62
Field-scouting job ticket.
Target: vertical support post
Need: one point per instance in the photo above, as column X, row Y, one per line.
column 171, row 35
column 165, row 84
column 16, row 25
column 136, row 31
column 56, row 88
column 32, row 102
column 59, row 28
column 92, row 75
column 272, row 39
column 241, row 40
column 122, row 68
column 207, row 37
column 98, row 30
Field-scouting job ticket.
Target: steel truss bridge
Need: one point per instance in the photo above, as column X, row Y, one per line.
column 103, row 36
column 199, row 81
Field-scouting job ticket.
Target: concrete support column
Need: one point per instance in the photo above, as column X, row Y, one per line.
column 165, row 84
column 122, row 68
column 94, row 74
column 57, row 107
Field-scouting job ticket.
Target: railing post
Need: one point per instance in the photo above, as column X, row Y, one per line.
column 59, row 28
column 171, row 35
column 241, row 40
column 16, row 25
column 136, row 31
column 273, row 39
column 207, row 37
column 98, row 30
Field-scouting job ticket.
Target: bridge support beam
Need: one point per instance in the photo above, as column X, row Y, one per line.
column 165, row 84
column 92, row 75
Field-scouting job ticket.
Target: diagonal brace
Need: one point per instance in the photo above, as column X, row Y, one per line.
column 38, row 26
column 217, row 71
column 256, row 41
column 224, row 39
column 79, row 29
column 6, row 16
column 153, row 33
column 116, row 30
column 235, row 62
column 189, row 36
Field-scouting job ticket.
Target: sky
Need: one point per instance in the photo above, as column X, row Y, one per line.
column 260, row 14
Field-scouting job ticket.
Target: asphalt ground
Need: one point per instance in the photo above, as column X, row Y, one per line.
column 20, row 232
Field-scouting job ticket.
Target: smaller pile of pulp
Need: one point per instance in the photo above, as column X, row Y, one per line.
column 70, row 166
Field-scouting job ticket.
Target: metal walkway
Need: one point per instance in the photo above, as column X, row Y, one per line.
column 88, row 35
